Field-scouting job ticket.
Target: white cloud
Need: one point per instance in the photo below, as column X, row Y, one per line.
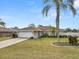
column 76, row 4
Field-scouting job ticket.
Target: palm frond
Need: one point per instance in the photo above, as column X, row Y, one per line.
column 64, row 6
column 45, row 10
column 46, row 1
column 55, row 2
column 71, row 2
column 73, row 10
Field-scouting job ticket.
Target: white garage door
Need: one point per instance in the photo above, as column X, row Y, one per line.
column 25, row 34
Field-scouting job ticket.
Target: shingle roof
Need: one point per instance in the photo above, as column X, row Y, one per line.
column 29, row 29
column 45, row 28
column 2, row 29
column 40, row 28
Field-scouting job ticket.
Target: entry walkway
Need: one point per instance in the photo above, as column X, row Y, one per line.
column 10, row 42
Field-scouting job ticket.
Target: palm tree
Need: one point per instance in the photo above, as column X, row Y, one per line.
column 59, row 4
column 2, row 23
column 53, row 29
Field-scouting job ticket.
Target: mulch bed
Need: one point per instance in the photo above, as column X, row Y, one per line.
column 63, row 44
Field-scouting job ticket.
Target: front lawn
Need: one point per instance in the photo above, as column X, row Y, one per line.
column 39, row 49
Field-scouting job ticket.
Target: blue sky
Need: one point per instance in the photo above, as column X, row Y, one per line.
column 21, row 13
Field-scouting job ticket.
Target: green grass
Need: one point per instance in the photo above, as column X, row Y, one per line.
column 4, row 38
column 39, row 49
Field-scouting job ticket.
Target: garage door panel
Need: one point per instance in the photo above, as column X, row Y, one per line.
column 25, row 34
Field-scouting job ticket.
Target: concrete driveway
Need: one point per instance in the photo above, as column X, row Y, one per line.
column 10, row 42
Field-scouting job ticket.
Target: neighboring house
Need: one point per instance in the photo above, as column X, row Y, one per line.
column 69, row 33
column 35, row 32
column 6, row 31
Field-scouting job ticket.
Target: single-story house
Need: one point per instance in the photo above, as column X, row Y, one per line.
column 34, row 31
column 39, row 31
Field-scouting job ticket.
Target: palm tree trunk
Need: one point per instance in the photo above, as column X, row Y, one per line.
column 57, row 20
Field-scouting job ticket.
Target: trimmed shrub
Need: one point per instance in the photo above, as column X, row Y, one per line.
column 63, row 36
column 73, row 40
column 14, row 35
column 45, row 35
column 31, row 38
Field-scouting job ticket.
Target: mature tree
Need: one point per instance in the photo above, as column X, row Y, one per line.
column 40, row 25
column 31, row 25
column 2, row 23
column 68, row 30
column 53, row 29
column 74, row 30
column 59, row 4
column 15, row 27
